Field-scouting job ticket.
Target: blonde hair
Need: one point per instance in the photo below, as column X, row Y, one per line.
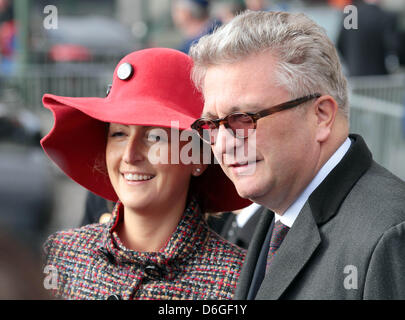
column 307, row 60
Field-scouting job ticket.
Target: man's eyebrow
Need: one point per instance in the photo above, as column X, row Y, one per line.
column 209, row 115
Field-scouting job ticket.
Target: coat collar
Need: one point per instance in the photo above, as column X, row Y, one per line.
column 184, row 241
column 327, row 198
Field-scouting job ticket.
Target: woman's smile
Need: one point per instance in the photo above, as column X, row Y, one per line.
column 134, row 178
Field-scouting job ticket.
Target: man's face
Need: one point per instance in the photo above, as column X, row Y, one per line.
column 286, row 150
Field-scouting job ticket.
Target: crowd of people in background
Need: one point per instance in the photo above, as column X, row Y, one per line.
column 374, row 47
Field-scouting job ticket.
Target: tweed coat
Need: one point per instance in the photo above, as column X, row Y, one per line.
column 195, row 263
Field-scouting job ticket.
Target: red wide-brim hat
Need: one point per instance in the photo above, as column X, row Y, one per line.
column 151, row 87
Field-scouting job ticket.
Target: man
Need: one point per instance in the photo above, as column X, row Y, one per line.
column 367, row 48
column 192, row 18
column 335, row 224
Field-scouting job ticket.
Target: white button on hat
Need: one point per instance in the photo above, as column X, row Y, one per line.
column 124, row 71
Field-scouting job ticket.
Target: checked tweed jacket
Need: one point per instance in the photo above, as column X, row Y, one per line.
column 196, row 263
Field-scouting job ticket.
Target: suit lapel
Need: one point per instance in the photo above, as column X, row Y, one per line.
column 253, row 253
column 296, row 249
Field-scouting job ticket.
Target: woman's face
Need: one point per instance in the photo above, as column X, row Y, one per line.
column 140, row 183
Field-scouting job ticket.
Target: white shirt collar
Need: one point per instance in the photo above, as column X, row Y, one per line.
column 292, row 212
column 246, row 213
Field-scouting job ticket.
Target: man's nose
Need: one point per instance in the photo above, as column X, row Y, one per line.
column 226, row 143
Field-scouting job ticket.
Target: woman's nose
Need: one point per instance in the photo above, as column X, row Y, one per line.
column 133, row 150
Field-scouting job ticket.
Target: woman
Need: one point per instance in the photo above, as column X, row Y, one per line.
column 157, row 244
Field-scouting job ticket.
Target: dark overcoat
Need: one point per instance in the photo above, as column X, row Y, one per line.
column 348, row 241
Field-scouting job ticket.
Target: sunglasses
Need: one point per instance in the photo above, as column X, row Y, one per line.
column 241, row 124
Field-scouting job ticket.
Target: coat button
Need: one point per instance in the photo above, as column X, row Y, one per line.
column 153, row 272
column 124, row 71
column 107, row 254
column 114, row 297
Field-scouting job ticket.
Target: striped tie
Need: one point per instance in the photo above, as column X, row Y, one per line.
column 279, row 232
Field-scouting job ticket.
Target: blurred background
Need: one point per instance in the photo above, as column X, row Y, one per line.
column 71, row 48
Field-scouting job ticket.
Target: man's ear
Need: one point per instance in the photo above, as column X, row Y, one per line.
column 326, row 109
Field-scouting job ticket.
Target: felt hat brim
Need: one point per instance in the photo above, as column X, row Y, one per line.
column 77, row 141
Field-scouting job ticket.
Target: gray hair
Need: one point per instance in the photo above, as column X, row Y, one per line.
column 307, row 60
